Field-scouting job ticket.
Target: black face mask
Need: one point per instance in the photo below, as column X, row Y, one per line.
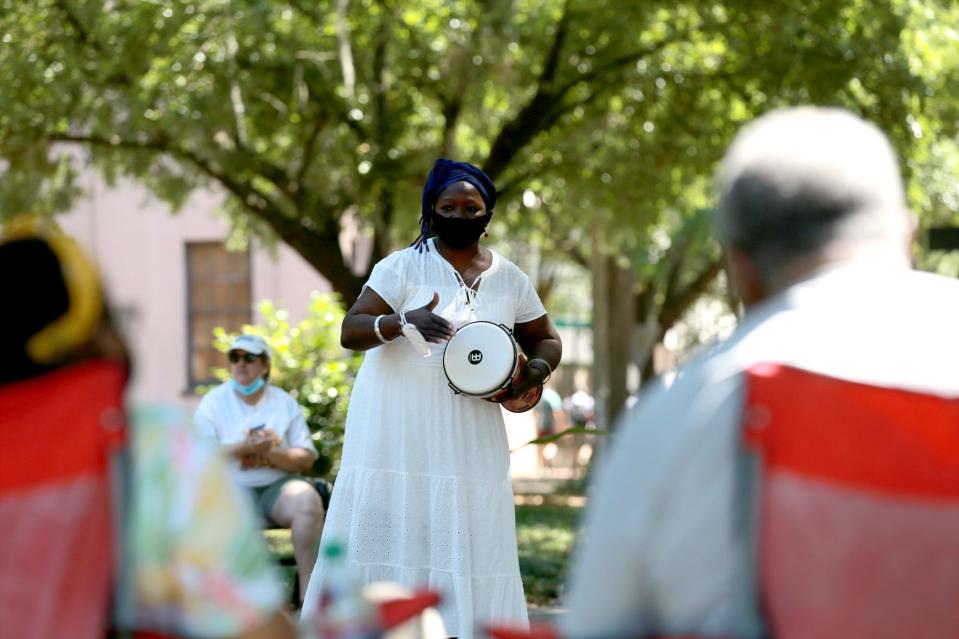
column 456, row 232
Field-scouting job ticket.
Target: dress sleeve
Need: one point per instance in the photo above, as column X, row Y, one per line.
column 388, row 281
column 529, row 306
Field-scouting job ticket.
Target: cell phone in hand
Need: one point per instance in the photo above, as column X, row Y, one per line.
column 256, row 428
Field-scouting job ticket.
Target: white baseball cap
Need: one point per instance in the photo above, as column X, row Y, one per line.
column 251, row 344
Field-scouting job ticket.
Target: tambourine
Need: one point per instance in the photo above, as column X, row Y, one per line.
column 483, row 360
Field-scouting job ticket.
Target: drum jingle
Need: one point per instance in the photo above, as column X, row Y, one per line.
column 483, row 360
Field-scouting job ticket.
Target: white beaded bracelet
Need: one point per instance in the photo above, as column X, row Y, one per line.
column 376, row 329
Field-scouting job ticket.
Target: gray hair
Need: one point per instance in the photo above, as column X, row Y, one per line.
column 799, row 180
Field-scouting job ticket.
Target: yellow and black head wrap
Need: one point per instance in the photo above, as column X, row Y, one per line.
column 53, row 302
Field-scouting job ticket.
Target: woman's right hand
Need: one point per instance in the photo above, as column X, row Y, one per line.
column 431, row 326
column 258, row 447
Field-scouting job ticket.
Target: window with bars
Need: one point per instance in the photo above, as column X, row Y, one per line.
column 218, row 294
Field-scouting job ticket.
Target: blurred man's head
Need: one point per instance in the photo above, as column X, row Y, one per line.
column 804, row 187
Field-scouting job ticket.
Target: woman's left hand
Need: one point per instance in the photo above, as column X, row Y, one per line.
column 530, row 379
column 528, row 383
column 539, row 340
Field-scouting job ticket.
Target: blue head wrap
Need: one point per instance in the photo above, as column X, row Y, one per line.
column 444, row 173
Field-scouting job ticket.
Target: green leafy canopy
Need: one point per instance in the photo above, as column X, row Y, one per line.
column 611, row 113
column 600, row 120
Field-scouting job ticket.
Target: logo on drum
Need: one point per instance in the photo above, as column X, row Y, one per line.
column 475, row 356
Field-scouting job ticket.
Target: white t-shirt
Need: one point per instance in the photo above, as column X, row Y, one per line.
column 664, row 550
column 225, row 417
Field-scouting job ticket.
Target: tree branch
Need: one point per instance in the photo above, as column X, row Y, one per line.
column 516, row 181
column 551, row 64
column 569, row 245
column 547, row 106
column 319, row 245
column 77, row 25
column 332, row 104
column 308, row 10
column 575, row 253
column 618, row 63
column 345, row 49
column 248, row 194
column 306, row 155
column 451, row 111
column 520, row 130
column 85, row 38
column 681, row 301
column 675, row 258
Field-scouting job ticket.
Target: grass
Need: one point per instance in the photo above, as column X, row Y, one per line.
column 545, row 533
column 278, row 541
column 281, row 546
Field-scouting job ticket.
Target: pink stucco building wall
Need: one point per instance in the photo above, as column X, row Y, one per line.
column 140, row 248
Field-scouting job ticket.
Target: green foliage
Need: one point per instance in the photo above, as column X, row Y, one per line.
column 600, row 120
column 545, row 535
column 555, row 437
column 611, row 114
column 309, row 363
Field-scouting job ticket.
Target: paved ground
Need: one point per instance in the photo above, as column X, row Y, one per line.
column 531, row 482
column 546, row 614
column 565, row 459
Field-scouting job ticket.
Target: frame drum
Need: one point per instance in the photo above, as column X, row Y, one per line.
column 482, row 359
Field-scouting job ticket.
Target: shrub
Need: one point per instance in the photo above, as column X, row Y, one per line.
column 309, row 363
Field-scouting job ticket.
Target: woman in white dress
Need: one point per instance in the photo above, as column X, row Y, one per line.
column 423, row 495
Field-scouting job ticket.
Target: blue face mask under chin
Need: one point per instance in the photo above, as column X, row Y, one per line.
column 247, row 390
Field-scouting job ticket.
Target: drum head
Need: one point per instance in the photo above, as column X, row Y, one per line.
column 480, row 359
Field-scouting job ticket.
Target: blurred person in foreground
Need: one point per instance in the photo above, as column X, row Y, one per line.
column 99, row 500
column 816, row 231
column 262, row 430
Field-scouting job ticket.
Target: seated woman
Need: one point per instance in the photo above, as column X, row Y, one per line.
column 263, row 431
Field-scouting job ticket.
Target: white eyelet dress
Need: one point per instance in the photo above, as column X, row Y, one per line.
column 423, row 496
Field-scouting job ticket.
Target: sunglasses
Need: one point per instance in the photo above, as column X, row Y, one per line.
column 249, row 358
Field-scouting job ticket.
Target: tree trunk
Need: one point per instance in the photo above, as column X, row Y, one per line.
column 654, row 321
column 322, row 250
column 613, row 309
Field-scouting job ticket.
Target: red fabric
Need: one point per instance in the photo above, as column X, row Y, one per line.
column 396, row 611
column 904, row 443
column 547, row 631
column 57, row 559
column 859, row 511
column 535, row 631
column 836, row 563
column 60, row 425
